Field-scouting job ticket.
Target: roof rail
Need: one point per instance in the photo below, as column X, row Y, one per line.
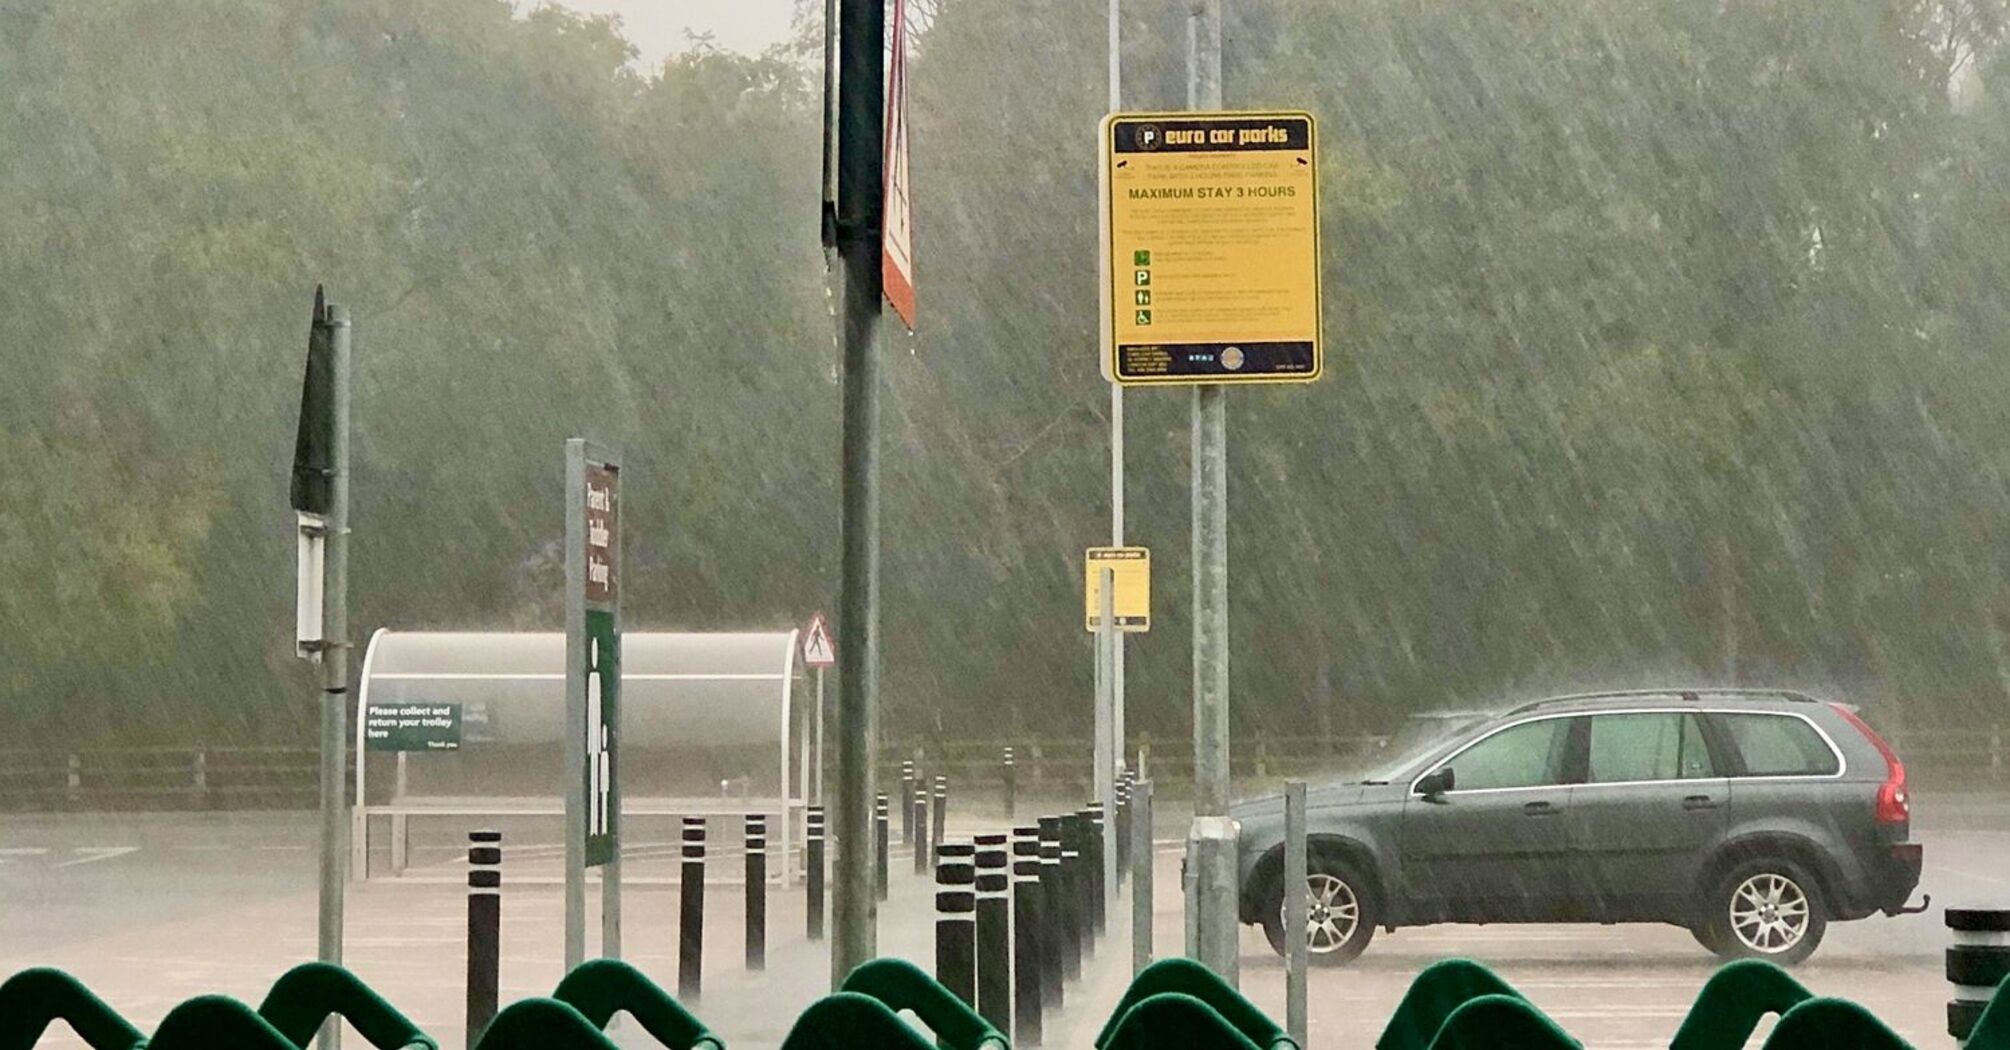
column 1689, row 693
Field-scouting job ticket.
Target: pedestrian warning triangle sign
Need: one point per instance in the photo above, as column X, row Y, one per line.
column 818, row 649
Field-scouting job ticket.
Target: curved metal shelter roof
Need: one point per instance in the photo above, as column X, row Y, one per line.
column 696, row 689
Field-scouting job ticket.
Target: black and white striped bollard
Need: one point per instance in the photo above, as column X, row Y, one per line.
column 1011, row 784
column 881, row 832
column 484, row 929
column 1092, row 850
column 1028, row 927
column 938, row 813
column 956, row 920
column 1977, row 962
column 907, row 832
column 1072, row 917
column 691, row 913
column 1053, row 914
column 994, row 930
column 917, row 817
column 757, row 892
column 813, row 878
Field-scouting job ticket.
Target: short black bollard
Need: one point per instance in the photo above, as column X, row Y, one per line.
column 757, row 892
column 881, row 831
column 1053, row 914
column 1977, row 961
column 994, row 930
column 813, row 877
column 939, row 812
column 907, row 832
column 955, row 921
column 1011, row 785
column 918, row 817
column 691, row 912
column 1123, row 835
column 1072, row 917
column 484, row 929
column 1092, row 849
column 1027, row 929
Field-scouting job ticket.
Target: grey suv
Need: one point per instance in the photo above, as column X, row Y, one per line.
column 1753, row 819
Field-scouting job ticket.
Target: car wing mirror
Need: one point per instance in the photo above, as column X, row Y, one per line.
column 1434, row 785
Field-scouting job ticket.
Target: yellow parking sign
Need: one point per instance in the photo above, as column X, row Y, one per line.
column 1210, row 248
column 1131, row 572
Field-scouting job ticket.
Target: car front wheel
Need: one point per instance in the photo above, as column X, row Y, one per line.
column 1340, row 913
column 1765, row 909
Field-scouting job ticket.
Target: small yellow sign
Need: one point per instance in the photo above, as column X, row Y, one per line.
column 1131, row 572
column 1210, row 254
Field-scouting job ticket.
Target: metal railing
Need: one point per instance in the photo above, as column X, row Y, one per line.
column 159, row 778
column 277, row 777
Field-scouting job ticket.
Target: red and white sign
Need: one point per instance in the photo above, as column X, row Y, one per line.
column 818, row 649
column 896, row 267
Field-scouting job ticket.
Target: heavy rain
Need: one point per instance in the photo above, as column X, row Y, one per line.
column 1561, row 443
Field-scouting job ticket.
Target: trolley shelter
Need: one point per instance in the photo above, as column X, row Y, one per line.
column 469, row 724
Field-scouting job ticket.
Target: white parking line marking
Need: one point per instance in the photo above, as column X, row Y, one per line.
column 94, row 854
column 1976, row 876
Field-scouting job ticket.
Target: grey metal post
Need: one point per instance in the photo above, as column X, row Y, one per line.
column 1211, row 843
column 1106, row 742
column 917, row 817
column 861, row 185
column 1116, row 657
column 1294, row 910
column 335, row 669
column 1141, row 877
column 817, row 759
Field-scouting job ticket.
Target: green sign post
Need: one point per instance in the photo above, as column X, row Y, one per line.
column 592, row 693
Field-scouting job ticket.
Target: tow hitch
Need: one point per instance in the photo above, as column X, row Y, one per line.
column 1925, row 902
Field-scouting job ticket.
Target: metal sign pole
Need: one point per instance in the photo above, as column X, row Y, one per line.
column 1295, row 905
column 335, row 668
column 575, row 705
column 860, row 206
column 1213, row 835
column 1106, row 744
column 1117, row 432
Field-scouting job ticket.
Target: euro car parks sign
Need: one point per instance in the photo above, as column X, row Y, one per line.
column 1210, row 248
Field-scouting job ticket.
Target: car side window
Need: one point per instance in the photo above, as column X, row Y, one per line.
column 1527, row 755
column 1648, row 746
column 1779, row 746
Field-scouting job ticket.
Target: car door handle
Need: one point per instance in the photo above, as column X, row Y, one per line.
column 1700, row 802
column 1540, row 809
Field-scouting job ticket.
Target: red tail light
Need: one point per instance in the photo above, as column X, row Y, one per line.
column 1894, row 805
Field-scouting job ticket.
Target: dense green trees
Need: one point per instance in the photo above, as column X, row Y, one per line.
column 1666, row 341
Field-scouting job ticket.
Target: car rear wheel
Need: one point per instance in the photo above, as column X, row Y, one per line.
column 1765, row 909
column 1340, row 913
